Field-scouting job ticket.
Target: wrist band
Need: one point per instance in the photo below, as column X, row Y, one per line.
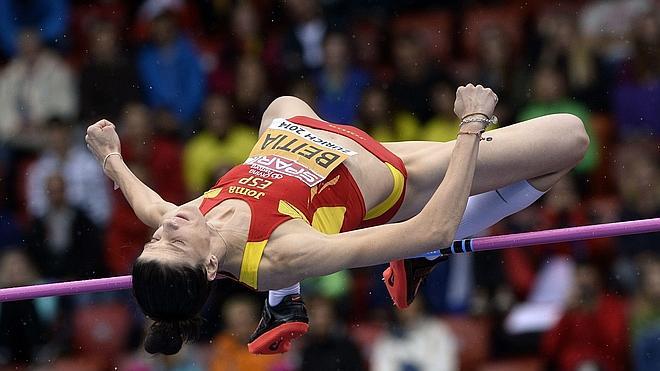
column 105, row 159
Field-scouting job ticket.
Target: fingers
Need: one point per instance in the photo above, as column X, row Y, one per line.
column 100, row 125
column 104, row 123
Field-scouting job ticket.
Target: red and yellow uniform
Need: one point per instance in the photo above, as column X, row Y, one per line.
column 294, row 173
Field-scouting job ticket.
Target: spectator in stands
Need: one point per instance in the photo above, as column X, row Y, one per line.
column 23, row 328
column 244, row 38
column 374, row 114
column 85, row 184
column 376, row 118
column 414, row 77
column 305, row 90
column 229, row 350
column 340, row 84
column 35, row 86
column 415, row 341
column 64, row 243
column 327, row 347
column 303, row 43
column 252, row 93
column 607, row 24
column 443, row 126
column 49, row 17
column 592, row 333
column 638, row 175
column 107, row 80
column 636, row 100
column 559, row 44
column 497, row 67
column 150, row 152
column 220, row 145
column 549, row 96
column 645, row 317
column 171, row 72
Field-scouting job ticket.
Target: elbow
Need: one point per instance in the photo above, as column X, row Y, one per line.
column 444, row 238
column 433, row 235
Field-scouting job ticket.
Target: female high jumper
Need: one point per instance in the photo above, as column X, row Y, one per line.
column 315, row 197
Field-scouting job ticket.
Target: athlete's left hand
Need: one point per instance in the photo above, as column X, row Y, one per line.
column 472, row 99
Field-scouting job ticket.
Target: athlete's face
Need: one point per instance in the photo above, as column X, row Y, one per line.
column 183, row 237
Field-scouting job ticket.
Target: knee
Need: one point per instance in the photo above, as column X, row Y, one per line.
column 279, row 106
column 575, row 136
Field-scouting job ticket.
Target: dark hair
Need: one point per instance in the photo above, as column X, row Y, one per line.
column 172, row 295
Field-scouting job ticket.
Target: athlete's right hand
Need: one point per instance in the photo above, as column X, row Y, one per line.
column 102, row 139
column 474, row 99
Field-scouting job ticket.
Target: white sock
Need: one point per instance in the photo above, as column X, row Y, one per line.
column 486, row 209
column 275, row 296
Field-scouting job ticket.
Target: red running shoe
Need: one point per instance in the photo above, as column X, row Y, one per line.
column 279, row 325
column 403, row 278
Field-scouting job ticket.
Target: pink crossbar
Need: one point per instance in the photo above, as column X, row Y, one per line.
column 476, row 244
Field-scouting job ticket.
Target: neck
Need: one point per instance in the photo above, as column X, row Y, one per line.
column 230, row 222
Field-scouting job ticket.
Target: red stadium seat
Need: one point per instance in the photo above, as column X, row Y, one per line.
column 473, row 335
column 101, row 330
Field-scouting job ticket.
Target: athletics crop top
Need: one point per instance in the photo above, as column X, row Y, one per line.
column 294, row 173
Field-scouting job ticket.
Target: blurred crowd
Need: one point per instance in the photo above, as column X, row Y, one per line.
column 185, row 82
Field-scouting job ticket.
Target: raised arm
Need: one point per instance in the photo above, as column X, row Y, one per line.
column 434, row 226
column 103, row 141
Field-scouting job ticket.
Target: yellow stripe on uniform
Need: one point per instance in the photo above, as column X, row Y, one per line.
column 329, row 220
column 250, row 265
column 212, row 193
column 290, row 210
column 326, row 220
column 397, row 190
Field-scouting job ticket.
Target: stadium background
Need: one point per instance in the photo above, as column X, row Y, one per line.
column 186, row 82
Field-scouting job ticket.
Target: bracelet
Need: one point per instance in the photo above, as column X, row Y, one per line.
column 477, row 133
column 488, row 121
column 105, row 160
column 474, row 113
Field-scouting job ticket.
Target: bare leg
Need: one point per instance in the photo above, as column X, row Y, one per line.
column 541, row 150
column 284, row 107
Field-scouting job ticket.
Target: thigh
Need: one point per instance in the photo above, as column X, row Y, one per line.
column 526, row 150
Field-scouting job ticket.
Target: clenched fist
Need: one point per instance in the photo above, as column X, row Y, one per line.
column 102, row 139
column 474, row 99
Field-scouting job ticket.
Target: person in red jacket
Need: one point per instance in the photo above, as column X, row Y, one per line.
column 593, row 331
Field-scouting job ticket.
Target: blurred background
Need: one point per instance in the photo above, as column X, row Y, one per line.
column 186, row 82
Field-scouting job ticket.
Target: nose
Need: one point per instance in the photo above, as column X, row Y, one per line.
column 170, row 224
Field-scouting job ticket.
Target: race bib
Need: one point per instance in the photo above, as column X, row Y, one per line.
column 290, row 149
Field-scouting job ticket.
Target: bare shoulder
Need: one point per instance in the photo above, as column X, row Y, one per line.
column 284, row 107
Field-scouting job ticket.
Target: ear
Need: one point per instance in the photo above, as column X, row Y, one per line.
column 212, row 268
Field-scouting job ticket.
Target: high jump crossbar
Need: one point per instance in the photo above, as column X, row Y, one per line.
column 459, row 246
